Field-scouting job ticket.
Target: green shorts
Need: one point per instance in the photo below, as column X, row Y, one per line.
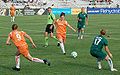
column 80, row 26
column 98, row 54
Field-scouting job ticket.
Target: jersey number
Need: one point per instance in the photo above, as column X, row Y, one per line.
column 18, row 36
column 97, row 41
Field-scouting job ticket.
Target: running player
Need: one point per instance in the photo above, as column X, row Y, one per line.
column 50, row 26
column 18, row 39
column 12, row 13
column 61, row 25
column 82, row 21
column 96, row 50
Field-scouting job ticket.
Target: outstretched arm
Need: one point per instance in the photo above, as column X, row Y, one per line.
column 71, row 28
column 108, row 51
column 8, row 41
column 27, row 36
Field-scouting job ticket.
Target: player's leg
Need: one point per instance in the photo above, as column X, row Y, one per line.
column 46, row 39
column 17, row 60
column 109, row 60
column 82, row 33
column 54, row 37
column 99, row 57
column 79, row 33
column 61, row 39
column 99, row 63
column 29, row 57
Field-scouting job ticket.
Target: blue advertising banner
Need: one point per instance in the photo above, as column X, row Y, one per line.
column 59, row 10
column 103, row 10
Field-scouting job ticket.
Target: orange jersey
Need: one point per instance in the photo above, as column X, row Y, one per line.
column 61, row 26
column 18, row 38
column 12, row 10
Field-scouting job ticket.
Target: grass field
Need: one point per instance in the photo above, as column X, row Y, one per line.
column 84, row 64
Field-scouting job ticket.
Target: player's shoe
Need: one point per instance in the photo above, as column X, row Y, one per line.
column 64, row 53
column 114, row 69
column 46, row 62
column 58, row 44
column 16, row 69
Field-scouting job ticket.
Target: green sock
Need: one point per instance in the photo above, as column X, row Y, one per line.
column 54, row 37
column 46, row 41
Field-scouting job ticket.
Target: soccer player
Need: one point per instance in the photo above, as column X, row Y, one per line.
column 96, row 50
column 12, row 13
column 50, row 27
column 82, row 21
column 61, row 25
column 18, row 39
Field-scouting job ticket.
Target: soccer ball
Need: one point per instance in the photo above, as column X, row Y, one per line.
column 74, row 54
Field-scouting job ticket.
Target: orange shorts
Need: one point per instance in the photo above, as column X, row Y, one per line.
column 23, row 50
column 12, row 13
column 61, row 36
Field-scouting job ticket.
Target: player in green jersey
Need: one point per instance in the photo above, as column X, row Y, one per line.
column 82, row 21
column 50, row 27
column 96, row 50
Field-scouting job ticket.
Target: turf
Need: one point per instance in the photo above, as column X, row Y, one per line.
column 84, row 64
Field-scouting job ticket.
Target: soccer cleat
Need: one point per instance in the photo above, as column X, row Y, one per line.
column 64, row 53
column 16, row 69
column 58, row 44
column 46, row 62
column 114, row 69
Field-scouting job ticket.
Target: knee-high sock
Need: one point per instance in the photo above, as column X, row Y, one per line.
column 78, row 33
column 54, row 37
column 13, row 18
column 46, row 40
column 62, row 47
column 17, row 59
column 37, row 60
column 110, row 63
column 99, row 63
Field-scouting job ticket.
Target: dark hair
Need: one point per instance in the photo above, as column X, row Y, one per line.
column 102, row 32
column 62, row 14
column 14, row 26
column 49, row 8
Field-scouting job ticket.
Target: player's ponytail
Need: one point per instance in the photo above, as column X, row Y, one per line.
column 14, row 26
column 102, row 32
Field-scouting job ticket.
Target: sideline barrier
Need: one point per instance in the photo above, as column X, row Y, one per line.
column 59, row 10
column 103, row 10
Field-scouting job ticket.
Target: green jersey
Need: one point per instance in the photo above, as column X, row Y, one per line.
column 98, row 43
column 82, row 17
column 51, row 18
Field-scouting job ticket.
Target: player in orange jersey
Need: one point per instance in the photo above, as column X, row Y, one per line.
column 18, row 39
column 61, row 25
column 12, row 13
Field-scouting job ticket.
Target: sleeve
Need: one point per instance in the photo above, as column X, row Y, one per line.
column 66, row 23
column 53, row 16
column 10, row 34
column 23, row 33
column 105, row 43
